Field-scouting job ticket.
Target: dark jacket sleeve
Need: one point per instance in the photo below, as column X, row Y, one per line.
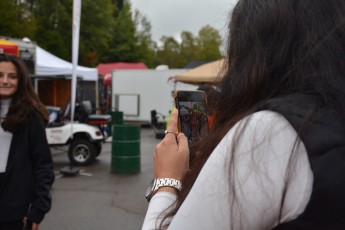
column 43, row 172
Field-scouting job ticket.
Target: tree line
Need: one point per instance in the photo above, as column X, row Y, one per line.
column 109, row 32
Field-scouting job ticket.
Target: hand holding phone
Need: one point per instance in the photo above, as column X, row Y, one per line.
column 192, row 110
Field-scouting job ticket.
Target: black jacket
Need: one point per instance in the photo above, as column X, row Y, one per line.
column 25, row 189
column 323, row 135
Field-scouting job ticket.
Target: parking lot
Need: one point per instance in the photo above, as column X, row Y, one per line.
column 98, row 199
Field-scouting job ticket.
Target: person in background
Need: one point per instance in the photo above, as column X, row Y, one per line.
column 210, row 91
column 275, row 156
column 26, row 167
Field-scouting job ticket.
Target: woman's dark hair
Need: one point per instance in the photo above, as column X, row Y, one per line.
column 276, row 48
column 210, row 91
column 25, row 101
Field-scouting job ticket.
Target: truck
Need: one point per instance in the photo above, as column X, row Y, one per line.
column 137, row 93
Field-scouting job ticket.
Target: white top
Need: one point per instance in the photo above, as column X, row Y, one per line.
column 5, row 137
column 260, row 167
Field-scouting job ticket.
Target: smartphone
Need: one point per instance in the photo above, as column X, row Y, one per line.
column 192, row 110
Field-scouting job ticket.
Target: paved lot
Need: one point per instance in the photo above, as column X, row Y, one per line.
column 97, row 198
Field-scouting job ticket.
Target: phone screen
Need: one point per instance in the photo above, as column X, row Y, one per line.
column 192, row 113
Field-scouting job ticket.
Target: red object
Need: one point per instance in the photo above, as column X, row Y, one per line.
column 107, row 79
column 8, row 47
column 104, row 69
column 98, row 122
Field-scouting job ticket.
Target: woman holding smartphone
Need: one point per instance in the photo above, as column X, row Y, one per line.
column 26, row 167
column 274, row 158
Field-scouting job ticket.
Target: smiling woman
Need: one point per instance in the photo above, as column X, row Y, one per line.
column 8, row 80
column 26, row 168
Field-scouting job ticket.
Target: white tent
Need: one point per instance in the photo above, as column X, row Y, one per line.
column 48, row 64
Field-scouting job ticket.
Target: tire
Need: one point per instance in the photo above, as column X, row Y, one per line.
column 82, row 152
column 98, row 147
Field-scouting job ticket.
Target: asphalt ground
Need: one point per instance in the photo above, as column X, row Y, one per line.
column 96, row 198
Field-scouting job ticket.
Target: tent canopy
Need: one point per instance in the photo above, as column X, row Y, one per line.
column 48, row 64
column 206, row 73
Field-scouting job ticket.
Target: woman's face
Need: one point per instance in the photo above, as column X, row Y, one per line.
column 8, row 80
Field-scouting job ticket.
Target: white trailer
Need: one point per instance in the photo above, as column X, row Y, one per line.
column 137, row 92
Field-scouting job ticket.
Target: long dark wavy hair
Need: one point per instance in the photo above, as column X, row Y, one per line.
column 275, row 48
column 24, row 102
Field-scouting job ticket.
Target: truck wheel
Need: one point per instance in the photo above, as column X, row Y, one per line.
column 98, row 147
column 81, row 152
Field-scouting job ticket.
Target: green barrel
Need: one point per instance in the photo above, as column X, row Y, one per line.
column 125, row 158
column 116, row 118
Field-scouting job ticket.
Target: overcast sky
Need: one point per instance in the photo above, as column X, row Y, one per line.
column 171, row 17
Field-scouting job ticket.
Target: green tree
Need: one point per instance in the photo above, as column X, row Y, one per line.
column 205, row 47
column 119, row 4
column 189, row 49
column 96, row 23
column 209, row 42
column 145, row 45
column 169, row 54
column 109, row 32
column 54, row 26
column 16, row 19
column 123, row 45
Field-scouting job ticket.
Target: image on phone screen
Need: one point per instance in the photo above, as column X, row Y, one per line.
column 192, row 118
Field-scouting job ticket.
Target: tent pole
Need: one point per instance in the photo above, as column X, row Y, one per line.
column 36, row 85
column 97, row 96
column 54, row 92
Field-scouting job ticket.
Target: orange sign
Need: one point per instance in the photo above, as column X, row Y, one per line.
column 8, row 47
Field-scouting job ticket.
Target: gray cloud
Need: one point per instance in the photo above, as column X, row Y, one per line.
column 171, row 17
